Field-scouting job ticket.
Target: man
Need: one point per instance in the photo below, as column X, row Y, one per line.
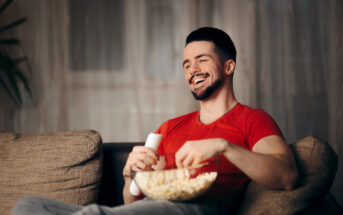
column 247, row 139
column 249, row 142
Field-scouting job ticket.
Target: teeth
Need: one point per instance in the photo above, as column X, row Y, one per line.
column 196, row 81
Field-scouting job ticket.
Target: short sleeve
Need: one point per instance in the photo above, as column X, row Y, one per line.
column 161, row 130
column 258, row 124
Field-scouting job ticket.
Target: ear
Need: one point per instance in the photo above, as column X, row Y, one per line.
column 230, row 66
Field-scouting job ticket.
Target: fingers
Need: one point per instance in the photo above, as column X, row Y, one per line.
column 196, row 160
column 141, row 166
column 188, row 155
column 195, row 151
column 187, row 160
column 146, row 151
column 179, row 157
column 147, row 159
column 141, row 158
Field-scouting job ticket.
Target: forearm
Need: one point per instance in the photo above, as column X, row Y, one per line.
column 270, row 162
column 140, row 159
column 128, row 197
column 272, row 170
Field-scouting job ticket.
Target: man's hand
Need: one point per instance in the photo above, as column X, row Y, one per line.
column 193, row 152
column 141, row 158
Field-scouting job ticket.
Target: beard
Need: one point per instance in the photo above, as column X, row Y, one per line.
column 208, row 91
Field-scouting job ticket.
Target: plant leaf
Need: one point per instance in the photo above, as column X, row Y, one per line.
column 13, row 24
column 27, row 61
column 9, row 42
column 10, row 72
column 6, row 88
column 23, row 78
column 13, row 83
column 20, row 60
column 5, row 5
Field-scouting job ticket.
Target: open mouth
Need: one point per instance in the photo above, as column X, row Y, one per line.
column 198, row 78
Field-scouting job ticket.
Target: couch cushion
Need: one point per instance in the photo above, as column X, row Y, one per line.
column 317, row 165
column 65, row 166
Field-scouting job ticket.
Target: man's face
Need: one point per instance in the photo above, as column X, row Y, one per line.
column 203, row 69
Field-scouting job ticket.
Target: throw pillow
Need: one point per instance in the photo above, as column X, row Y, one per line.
column 65, row 166
column 317, row 165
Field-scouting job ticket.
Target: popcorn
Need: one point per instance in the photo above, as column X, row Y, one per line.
column 175, row 184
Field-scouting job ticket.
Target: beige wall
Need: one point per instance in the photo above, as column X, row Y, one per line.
column 289, row 63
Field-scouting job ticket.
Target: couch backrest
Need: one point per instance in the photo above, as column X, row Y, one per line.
column 115, row 155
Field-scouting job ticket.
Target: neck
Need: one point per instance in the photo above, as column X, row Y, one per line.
column 219, row 103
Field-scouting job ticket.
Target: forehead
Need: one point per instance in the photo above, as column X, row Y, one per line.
column 196, row 48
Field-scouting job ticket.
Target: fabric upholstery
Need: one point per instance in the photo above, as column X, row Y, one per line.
column 65, row 166
column 317, row 165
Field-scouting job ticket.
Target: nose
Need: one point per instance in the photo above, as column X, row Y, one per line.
column 194, row 68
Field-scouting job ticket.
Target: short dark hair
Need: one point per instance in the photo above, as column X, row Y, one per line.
column 221, row 40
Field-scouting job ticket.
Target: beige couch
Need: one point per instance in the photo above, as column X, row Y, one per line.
column 68, row 166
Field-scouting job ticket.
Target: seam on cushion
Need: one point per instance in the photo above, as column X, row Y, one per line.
column 313, row 142
column 80, row 175
column 88, row 154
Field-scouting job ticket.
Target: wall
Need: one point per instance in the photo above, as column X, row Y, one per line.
column 289, row 63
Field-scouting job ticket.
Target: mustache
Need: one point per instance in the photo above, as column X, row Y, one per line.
column 197, row 74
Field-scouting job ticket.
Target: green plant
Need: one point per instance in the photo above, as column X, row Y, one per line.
column 10, row 73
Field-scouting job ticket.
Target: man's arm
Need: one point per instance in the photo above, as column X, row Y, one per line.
column 141, row 158
column 270, row 162
column 127, row 196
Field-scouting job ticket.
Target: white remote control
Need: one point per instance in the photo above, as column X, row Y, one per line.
column 152, row 141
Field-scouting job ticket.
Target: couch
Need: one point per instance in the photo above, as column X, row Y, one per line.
column 75, row 167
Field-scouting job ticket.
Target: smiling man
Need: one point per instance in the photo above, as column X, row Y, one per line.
column 248, row 141
column 197, row 77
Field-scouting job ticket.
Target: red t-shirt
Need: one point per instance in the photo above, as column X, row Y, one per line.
column 243, row 126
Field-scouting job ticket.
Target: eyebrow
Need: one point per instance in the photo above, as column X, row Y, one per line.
column 197, row 57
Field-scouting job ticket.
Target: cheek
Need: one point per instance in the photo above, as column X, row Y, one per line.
column 187, row 76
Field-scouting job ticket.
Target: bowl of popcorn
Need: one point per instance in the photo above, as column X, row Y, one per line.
column 178, row 184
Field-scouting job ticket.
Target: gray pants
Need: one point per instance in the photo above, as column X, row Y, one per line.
column 37, row 205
